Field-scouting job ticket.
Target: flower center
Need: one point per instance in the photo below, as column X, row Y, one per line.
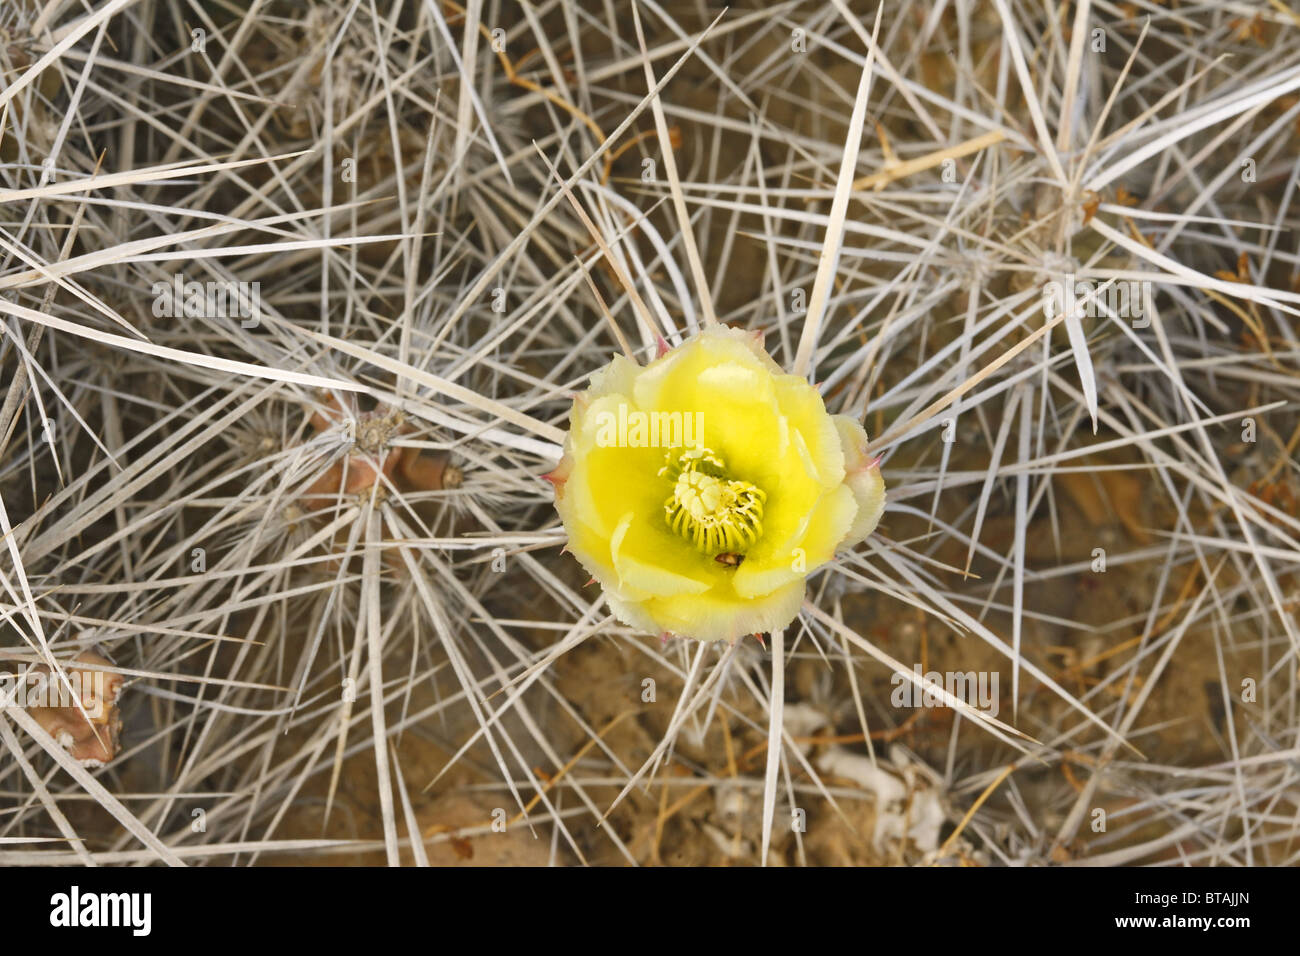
column 716, row 513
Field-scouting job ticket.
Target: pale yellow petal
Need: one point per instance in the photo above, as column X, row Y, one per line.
column 643, row 578
column 812, row 544
column 863, row 479
column 717, row 617
column 803, row 407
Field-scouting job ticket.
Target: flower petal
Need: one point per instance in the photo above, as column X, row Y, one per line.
column 811, row 545
column 718, row 617
column 863, row 479
column 682, row 366
column 803, row 407
column 649, row 576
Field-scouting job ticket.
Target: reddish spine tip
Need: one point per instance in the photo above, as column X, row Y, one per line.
column 662, row 347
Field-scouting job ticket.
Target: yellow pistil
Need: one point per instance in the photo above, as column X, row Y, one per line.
column 715, row 512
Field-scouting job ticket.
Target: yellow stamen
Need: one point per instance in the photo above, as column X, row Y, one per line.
column 714, row 512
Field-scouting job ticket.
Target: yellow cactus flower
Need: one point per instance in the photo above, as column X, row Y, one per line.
column 701, row 490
